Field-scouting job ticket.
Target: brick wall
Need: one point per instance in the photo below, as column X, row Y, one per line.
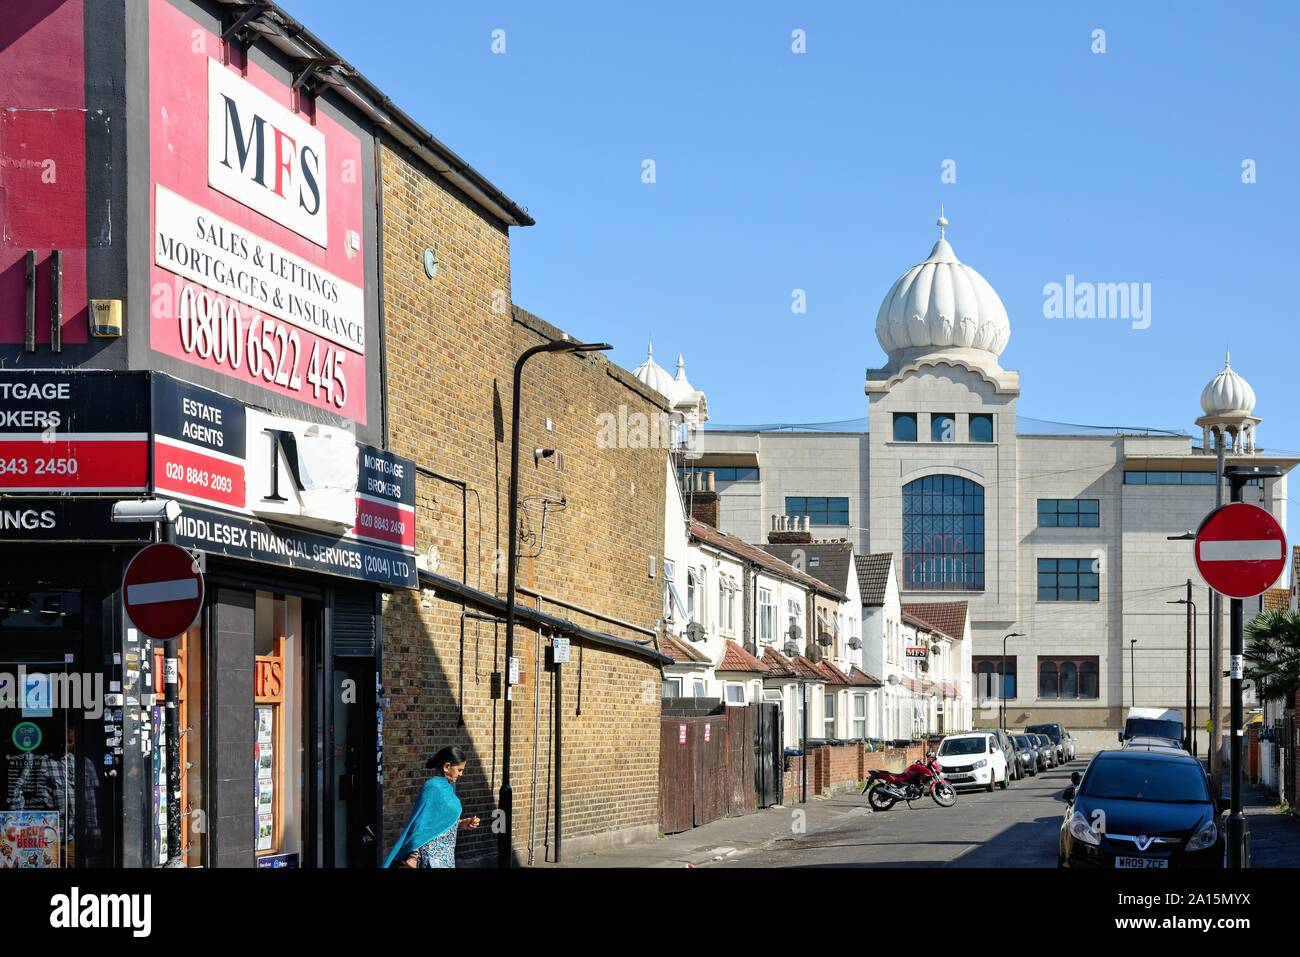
column 451, row 344
column 835, row 768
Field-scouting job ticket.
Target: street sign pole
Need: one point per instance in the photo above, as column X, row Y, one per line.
column 1240, row 552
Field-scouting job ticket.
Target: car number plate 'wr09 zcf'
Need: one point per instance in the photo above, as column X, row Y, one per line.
column 1140, row 862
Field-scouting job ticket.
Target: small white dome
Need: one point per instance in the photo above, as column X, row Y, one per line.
column 682, row 389
column 654, row 375
column 1228, row 393
column 942, row 303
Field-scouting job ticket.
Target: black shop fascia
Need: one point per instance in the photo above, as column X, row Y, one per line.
column 300, row 530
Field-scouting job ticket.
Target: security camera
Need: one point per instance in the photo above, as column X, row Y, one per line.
column 147, row 510
column 540, row 453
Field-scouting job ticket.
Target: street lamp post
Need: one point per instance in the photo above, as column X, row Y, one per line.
column 505, row 800
column 1132, row 671
column 1002, row 678
column 1189, row 734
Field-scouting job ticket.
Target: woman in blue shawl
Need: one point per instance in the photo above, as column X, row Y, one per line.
column 429, row 839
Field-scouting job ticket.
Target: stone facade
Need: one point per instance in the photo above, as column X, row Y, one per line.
column 451, row 346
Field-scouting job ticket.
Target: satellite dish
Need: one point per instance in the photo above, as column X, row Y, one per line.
column 791, row 649
column 824, row 638
column 794, row 633
column 695, row 631
column 855, row 643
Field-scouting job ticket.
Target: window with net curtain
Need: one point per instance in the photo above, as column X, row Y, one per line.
column 943, row 534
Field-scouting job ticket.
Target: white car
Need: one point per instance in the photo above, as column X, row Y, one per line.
column 973, row 759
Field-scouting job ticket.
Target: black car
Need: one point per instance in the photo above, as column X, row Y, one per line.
column 1142, row 808
column 1027, row 751
column 1056, row 733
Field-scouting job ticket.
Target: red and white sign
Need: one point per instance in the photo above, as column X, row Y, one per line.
column 264, row 155
column 255, row 274
column 163, row 591
column 1240, row 550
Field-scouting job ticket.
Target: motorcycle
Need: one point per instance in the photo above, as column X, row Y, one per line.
column 884, row 789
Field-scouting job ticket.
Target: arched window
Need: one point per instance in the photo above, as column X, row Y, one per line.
column 1047, row 685
column 1088, row 679
column 943, row 534
column 1069, row 679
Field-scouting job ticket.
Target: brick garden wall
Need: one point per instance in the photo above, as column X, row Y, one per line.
column 451, row 345
column 834, row 768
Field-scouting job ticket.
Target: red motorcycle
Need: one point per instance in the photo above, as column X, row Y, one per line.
column 884, row 789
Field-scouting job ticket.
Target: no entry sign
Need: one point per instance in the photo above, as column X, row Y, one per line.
column 1240, row 550
column 163, row 591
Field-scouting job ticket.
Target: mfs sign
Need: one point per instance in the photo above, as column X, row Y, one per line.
column 264, row 155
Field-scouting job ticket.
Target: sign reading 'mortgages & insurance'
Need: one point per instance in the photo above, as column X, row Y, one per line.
column 258, row 272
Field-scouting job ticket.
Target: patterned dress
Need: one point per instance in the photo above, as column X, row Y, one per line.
column 441, row 851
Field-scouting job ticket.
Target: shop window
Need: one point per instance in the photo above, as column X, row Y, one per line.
column 278, row 698
column 189, row 675
column 52, row 810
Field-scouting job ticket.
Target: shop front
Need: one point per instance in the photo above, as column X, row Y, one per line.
column 298, row 529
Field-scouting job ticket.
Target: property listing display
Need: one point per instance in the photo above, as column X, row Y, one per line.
column 258, row 272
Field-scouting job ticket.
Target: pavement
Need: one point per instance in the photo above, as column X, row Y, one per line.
column 1013, row 828
column 1274, row 834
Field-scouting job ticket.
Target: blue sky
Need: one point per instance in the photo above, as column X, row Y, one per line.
column 822, row 171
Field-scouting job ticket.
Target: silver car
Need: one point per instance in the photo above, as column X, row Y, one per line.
column 1028, row 751
column 1046, row 750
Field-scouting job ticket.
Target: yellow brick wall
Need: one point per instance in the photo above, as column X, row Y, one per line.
column 450, row 345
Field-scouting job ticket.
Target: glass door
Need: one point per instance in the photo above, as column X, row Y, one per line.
column 42, row 694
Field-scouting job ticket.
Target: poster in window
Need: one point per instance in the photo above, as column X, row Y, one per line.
column 29, row 839
column 265, row 832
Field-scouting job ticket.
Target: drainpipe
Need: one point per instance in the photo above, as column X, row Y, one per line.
column 559, row 757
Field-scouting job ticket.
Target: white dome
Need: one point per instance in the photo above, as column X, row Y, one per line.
column 942, row 303
column 682, row 388
column 654, row 375
column 1228, row 393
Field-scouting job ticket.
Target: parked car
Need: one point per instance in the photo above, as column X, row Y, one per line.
column 974, row 759
column 1057, row 735
column 1148, row 807
column 1028, row 751
column 1008, row 749
column 1069, row 746
column 1046, row 751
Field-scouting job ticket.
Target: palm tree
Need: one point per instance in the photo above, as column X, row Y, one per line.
column 1273, row 654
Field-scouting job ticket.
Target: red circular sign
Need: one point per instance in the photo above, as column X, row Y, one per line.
column 163, row 591
column 1240, row 550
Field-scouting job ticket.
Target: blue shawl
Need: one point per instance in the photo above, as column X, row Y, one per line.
column 436, row 811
